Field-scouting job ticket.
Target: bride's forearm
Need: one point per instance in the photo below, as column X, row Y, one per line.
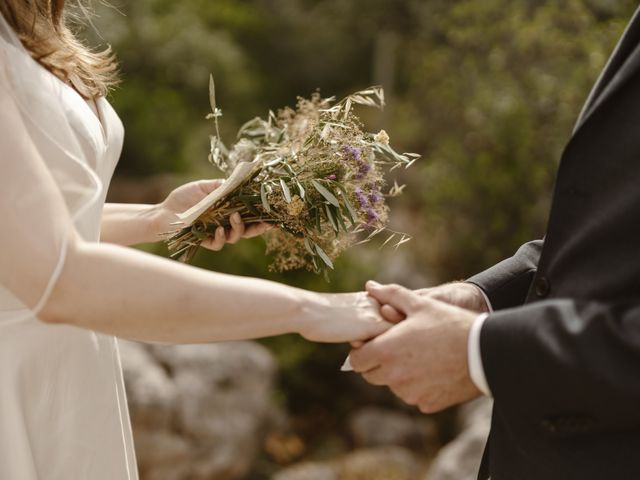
column 129, row 224
column 134, row 295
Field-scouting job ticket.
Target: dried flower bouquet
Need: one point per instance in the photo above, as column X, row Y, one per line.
column 313, row 172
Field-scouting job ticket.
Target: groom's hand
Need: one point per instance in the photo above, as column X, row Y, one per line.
column 460, row 294
column 423, row 359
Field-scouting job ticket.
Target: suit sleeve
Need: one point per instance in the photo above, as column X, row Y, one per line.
column 565, row 358
column 507, row 283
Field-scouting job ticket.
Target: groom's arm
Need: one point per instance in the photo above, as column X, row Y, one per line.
column 565, row 364
column 506, row 284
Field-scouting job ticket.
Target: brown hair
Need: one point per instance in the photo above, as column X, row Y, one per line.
column 43, row 28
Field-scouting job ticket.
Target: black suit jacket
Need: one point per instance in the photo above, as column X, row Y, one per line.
column 561, row 353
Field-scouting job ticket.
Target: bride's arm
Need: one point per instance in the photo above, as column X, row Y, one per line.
column 134, row 295
column 66, row 280
column 129, row 223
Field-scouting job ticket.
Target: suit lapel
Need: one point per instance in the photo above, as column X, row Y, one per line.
column 623, row 62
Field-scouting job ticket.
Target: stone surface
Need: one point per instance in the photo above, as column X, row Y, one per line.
column 308, row 471
column 460, row 458
column 198, row 411
column 381, row 463
column 374, row 427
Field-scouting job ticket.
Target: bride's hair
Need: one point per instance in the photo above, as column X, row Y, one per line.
column 43, row 28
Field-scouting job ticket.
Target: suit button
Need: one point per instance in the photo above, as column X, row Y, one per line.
column 542, row 286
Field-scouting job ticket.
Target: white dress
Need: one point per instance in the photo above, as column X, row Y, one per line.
column 63, row 410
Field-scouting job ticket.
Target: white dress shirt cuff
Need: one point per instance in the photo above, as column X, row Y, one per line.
column 486, row 299
column 476, row 369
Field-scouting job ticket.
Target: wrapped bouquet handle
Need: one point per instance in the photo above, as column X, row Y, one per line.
column 240, row 174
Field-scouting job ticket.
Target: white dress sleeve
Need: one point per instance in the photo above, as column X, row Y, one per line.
column 45, row 183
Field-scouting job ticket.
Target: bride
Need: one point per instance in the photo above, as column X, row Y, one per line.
column 65, row 296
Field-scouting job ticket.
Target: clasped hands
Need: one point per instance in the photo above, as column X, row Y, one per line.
column 423, row 357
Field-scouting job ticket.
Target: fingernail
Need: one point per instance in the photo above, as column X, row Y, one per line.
column 235, row 217
column 346, row 366
column 373, row 284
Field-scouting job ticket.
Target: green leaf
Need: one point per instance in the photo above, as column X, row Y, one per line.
column 212, row 93
column 352, row 215
column 393, row 235
column 307, row 245
column 273, row 162
column 341, row 220
column 300, row 189
column 325, row 258
column 330, row 197
column 263, row 197
column 325, row 274
column 285, row 191
column 249, row 204
column 331, row 218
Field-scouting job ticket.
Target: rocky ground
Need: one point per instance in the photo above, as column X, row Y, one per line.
column 207, row 412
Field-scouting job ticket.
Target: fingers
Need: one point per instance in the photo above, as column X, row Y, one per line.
column 237, row 231
column 208, row 186
column 391, row 314
column 375, row 376
column 216, row 242
column 237, row 228
column 394, row 295
column 365, row 358
column 257, row 229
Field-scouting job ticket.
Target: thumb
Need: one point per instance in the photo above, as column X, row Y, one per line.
column 397, row 296
column 209, row 186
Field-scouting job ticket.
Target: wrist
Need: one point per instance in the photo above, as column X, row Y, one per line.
column 309, row 308
column 481, row 301
column 158, row 219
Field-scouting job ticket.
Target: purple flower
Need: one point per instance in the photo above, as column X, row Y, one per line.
column 375, row 196
column 372, row 216
column 352, row 152
column 331, row 177
column 363, row 169
column 362, row 198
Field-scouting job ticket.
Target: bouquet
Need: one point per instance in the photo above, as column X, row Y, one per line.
column 312, row 171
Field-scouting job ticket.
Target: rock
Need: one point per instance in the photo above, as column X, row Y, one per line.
column 198, row 411
column 472, row 413
column 151, row 394
column 374, row 427
column 308, row 471
column 383, row 463
column 460, row 459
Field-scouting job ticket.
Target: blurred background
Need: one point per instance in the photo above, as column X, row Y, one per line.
column 486, row 90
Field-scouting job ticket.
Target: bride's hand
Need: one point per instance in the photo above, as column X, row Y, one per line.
column 189, row 194
column 344, row 317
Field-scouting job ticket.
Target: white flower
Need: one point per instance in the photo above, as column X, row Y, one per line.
column 382, row 137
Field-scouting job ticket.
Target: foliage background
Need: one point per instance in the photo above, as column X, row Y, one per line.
column 486, row 90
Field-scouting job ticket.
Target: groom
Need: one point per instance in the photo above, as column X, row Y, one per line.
column 552, row 333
